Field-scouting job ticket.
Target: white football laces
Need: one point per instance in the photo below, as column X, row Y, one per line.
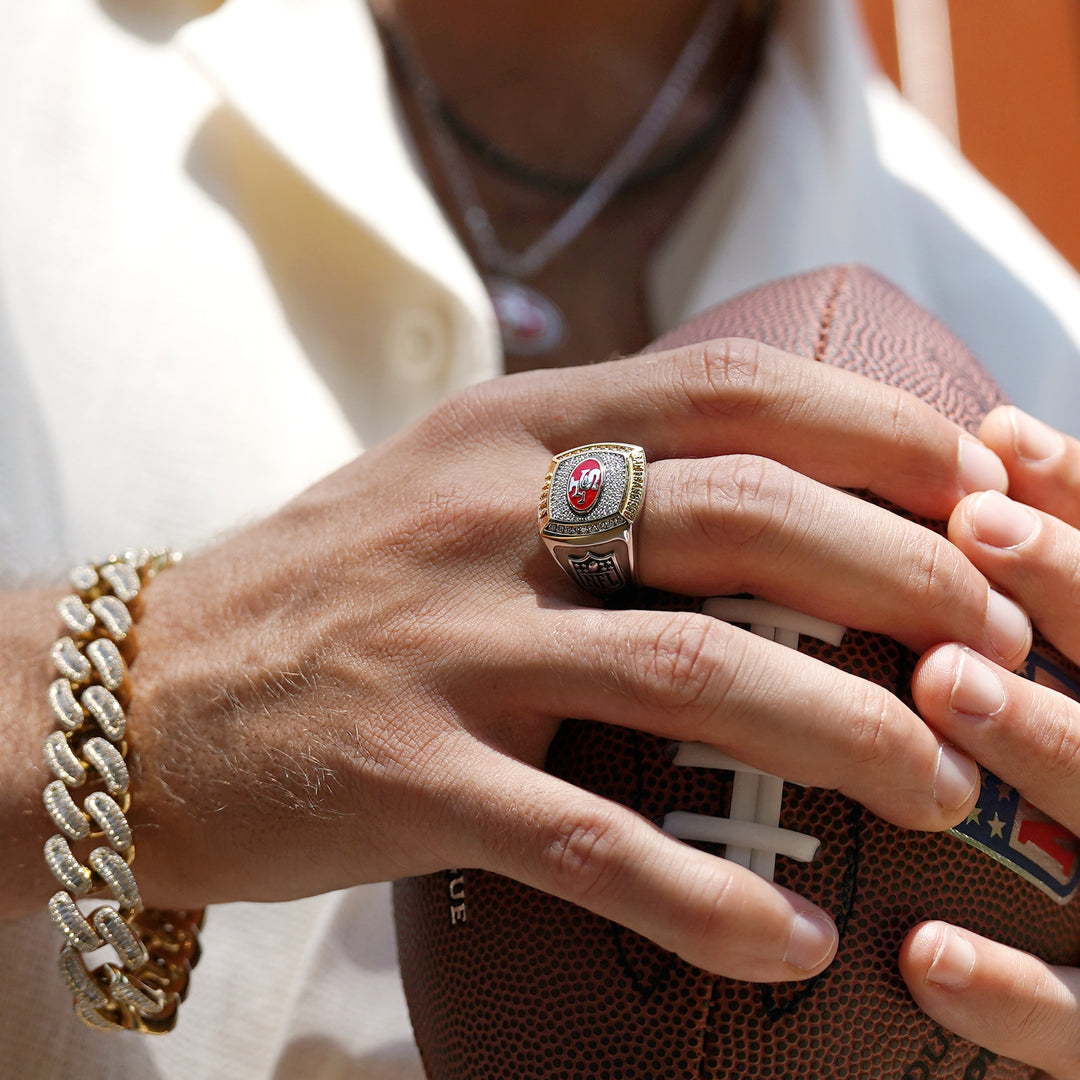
column 751, row 833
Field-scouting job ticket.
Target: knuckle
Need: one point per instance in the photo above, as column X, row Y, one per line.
column 721, row 900
column 456, row 415
column 1071, row 585
column 1061, row 741
column 456, row 418
column 751, row 481
column 930, row 571
column 580, row 856
column 676, row 661
column 741, row 501
column 506, row 409
column 901, row 415
column 725, row 377
column 873, row 726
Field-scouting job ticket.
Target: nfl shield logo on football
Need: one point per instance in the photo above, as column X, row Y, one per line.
column 1009, row 829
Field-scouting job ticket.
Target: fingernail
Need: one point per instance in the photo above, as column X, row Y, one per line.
column 953, row 962
column 976, row 690
column 1000, row 522
column 1007, row 627
column 1032, row 440
column 956, row 778
column 980, row 468
column 813, row 938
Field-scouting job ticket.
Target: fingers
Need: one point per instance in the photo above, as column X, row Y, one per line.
column 1010, row 1002
column 691, row 677
column 1043, row 464
column 746, row 524
column 1025, row 733
column 733, row 396
column 1028, row 553
column 594, row 853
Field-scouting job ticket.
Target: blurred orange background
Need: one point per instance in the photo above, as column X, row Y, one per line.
column 1016, row 65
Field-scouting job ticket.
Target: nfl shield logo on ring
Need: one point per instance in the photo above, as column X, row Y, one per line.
column 597, row 573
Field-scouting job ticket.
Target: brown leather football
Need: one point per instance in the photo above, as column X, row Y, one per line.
column 507, row 983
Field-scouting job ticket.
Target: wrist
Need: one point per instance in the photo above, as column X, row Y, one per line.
column 88, row 797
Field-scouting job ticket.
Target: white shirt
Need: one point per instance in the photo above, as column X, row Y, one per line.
column 222, row 275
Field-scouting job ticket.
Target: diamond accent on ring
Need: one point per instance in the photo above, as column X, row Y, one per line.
column 588, row 503
column 608, row 497
column 588, row 528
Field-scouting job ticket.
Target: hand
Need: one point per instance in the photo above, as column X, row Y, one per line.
column 365, row 685
column 1005, row 1000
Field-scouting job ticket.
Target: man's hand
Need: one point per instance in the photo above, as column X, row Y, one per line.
column 1027, row 734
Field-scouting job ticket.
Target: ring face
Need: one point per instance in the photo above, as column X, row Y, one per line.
column 590, row 498
column 584, row 486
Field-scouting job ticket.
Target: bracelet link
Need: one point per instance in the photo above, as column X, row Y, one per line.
column 157, row 949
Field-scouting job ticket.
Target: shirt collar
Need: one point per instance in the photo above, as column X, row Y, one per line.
column 309, row 77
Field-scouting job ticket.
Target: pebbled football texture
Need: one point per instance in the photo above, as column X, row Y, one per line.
column 507, row 982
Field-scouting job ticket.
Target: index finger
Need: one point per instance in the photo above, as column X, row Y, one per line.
column 738, row 396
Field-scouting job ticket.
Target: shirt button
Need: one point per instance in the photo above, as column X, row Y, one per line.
column 417, row 345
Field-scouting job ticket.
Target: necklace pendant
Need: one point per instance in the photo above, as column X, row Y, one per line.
column 530, row 323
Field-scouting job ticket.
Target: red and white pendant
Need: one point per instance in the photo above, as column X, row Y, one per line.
column 530, row 323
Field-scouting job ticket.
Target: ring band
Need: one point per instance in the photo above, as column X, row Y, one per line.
column 588, row 504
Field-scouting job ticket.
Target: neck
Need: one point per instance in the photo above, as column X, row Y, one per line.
column 525, row 74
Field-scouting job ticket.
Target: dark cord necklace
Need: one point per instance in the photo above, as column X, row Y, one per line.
column 706, row 137
column 531, row 324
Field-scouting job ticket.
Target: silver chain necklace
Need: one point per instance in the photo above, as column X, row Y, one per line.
column 531, row 324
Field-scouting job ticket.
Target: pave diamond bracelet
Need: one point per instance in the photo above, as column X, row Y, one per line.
column 88, row 802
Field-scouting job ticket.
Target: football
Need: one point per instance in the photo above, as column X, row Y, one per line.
column 507, row 982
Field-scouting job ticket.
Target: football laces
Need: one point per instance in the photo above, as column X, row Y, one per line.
column 751, row 833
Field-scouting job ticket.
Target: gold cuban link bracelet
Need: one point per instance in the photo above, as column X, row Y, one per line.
column 87, row 754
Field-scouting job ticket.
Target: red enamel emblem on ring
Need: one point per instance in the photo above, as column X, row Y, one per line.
column 583, row 488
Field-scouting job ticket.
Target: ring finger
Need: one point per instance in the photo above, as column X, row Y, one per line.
column 729, row 396
column 746, row 524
